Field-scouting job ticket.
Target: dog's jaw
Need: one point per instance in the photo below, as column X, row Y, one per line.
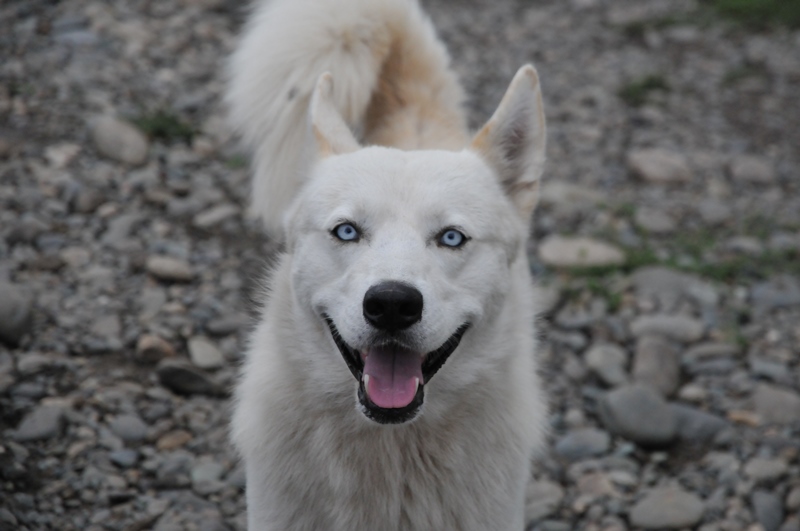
column 430, row 365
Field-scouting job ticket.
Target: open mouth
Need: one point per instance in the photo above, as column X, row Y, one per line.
column 391, row 378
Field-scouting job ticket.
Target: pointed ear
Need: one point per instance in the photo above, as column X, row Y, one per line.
column 330, row 132
column 513, row 140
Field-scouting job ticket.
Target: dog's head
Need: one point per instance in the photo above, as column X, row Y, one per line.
column 400, row 254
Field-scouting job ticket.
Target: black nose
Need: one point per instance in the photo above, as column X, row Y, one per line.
column 392, row 306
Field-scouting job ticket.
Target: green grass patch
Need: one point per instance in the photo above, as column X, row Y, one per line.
column 163, row 125
column 760, row 14
column 637, row 92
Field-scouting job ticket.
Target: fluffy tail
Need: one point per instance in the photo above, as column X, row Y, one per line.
column 392, row 85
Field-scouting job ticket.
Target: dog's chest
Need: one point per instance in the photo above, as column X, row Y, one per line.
column 408, row 480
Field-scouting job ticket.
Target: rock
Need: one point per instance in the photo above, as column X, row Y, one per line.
column 638, row 414
column 583, row 443
column 714, row 212
column 15, row 313
column 169, row 269
column 227, row 324
column 659, row 166
column 152, row 349
column 182, row 379
column 775, row 405
column 563, row 194
column 564, row 251
column 107, row 326
column 768, row 509
column 119, row 141
column 543, row 498
column 678, row 327
column 697, row 426
column 766, row 469
column 207, row 471
column 654, row 221
column 173, row 439
column 793, row 499
column 667, row 508
column 44, row 422
column 214, row 216
column 657, row 364
column 125, row 458
column 608, row 362
column 205, row 354
column 129, row 428
column 709, row 350
column 668, row 286
column 780, row 292
column 752, row 169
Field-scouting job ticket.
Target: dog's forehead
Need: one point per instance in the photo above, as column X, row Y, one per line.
column 378, row 175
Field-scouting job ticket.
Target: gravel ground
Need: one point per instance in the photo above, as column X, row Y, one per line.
column 666, row 247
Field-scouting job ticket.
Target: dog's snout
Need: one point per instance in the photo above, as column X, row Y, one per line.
column 392, row 305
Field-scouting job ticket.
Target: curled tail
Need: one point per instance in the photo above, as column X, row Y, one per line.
column 392, row 85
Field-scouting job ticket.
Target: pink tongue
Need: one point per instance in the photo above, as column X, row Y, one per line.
column 391, row 373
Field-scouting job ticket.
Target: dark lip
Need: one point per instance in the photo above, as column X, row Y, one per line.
column 430, row 366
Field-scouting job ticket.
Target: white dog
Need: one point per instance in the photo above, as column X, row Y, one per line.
column 391, row 383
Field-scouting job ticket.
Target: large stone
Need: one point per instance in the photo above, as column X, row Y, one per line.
column 639, row 414
column 752, row 169
column 583, row 443
column 667, row 508
column 186, row 380
column 657, row 165
column 775, row 405
column 564, row 251
column 15, row 313
column 678, row 327
column 170, row 269
column 542, row 499
column 129, row 428
column 768, row 509
column 657, row 364
column 697, row 426
column 654, row 220
column 44, row 422
column 152, row 349
column 119, row 141
column 766, row 469
column 668, row 285
column 608, row 362
column 205, row 354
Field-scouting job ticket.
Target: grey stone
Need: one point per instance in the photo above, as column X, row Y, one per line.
column 678, row 327
column 668, row 286
column 638, row 414
column 125, row 458
column 714, row 212
column 170, row 269
column 207, row 471
column 583, row 443
column 119, row 141
column 654, row 221
column 152, row 349
column 129, row 428
column 667, row 508
column 659, row 166
column 697, row 426
column 565, row 251
column 793, row 499
column 608, row 362
column 543, row 499
column 752, row 169
column 657, row 364
column 780, row 292
column 16, row 305
column 214, row 216
column 766, row 469
column 44, row 422
column 775, row 405
column 768, row 509
column 227, row 324
column 183, row 379
column 205, row 354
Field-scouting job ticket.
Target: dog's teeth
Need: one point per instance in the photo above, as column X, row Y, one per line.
column 416, row 384
column 365, row 379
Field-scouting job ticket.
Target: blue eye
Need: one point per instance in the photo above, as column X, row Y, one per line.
column 452, row 238
column 347, row 232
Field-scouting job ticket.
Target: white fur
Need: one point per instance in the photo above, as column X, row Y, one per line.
column 313, row 460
